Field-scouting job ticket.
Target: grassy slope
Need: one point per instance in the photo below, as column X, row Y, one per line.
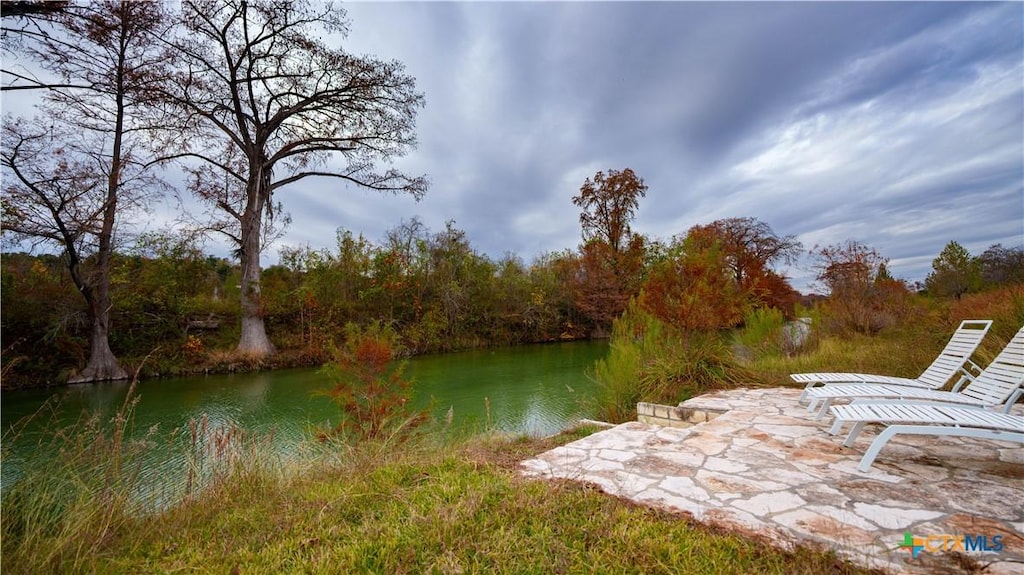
column 422, row 507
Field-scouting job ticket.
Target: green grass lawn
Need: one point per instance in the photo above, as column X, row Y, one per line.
column 423, row 506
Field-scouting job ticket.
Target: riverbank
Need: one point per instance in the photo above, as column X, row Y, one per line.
column 430, row 505
column 217, row 363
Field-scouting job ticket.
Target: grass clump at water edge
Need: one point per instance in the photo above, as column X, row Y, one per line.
column 652, row 361
column 85, row 490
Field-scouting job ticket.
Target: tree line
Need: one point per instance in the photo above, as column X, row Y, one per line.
column 438, row 293
column 435, row 289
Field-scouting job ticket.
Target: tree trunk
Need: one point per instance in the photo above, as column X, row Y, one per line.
column 254, row 340
column 103, row 365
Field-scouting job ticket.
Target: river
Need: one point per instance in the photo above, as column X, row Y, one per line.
column 534, row 389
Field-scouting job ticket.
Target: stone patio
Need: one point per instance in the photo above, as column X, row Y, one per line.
column 763, row 465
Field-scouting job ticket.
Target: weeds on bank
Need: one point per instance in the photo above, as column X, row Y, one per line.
column 438, row 507
column 905, row 349
column 69, row 506
column 88, row 498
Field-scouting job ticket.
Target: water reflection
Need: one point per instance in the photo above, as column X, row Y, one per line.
column 531, row 389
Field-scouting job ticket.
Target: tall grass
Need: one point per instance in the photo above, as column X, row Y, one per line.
column 1005, row 306
column 66, row 506
column 763, row 333
column 907, row 348
column 89, row 482
column 653, row 362
column 436, row 507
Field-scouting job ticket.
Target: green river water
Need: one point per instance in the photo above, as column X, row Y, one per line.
column 535, row 389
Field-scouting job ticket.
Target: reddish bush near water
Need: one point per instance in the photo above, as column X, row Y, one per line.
column 369, row 386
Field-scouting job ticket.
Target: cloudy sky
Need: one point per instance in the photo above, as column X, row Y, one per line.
column 897, row 125
column 900, row 126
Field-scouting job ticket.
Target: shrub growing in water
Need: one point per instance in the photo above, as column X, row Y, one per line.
column 369, row 386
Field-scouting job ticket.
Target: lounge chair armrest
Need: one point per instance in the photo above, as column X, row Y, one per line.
column 974, row 366
column 1017, row 393
column 965, row 378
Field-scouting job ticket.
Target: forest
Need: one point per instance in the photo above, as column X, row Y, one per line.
column 176, row 310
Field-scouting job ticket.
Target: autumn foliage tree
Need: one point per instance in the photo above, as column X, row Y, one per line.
column 272, row 103
column 863, row 296
column 612, row 255
column 693, row 289
column 749, row 248
column 718, row 272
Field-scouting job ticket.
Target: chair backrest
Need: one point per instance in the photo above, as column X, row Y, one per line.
column 1003, row 376
column 956, row 353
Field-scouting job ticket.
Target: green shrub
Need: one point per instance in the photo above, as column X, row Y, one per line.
column 651, row 361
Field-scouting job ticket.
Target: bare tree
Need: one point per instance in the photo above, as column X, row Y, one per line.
column 26, row 23
column 80, row 165
column 275, row 104
column 1001, row 265
column 863, row 295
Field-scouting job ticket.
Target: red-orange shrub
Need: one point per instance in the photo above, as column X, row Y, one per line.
column 369, row 386
column 693, row 290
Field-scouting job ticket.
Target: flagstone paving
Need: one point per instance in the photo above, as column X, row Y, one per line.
column 765, row 466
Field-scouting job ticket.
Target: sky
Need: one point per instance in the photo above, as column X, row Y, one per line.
column 900, row 126
column 897, row 125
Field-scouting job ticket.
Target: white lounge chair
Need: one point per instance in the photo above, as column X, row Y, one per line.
column 949, row 363
column 999, row 384
column 923, row 419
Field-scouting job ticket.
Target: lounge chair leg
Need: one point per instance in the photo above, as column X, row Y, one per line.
column 876, row 446
column 803, row 395
column 824, row 409
column 837, row 425
column 857, row 427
